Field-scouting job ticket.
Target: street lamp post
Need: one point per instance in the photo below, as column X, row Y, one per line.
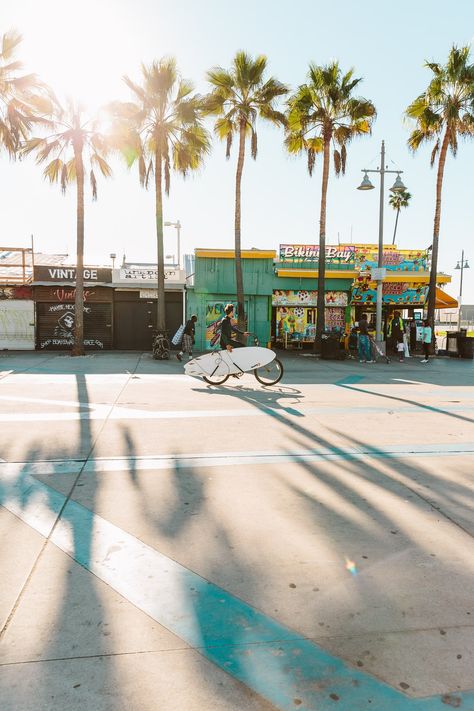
column 397, row 187
column 177, row 225
column 464, row 264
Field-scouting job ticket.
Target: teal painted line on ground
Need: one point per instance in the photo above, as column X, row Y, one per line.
column 350, row 380
column 277, row 663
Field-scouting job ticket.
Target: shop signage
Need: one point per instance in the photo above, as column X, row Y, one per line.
column 65, row 294
column 68, row 274
column 308, row 298
column 404, row 294
column 340, row 254
column 404, row 260
column 146, row 274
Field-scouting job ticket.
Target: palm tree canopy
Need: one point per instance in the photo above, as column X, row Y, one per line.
column 447, row 104
column 325, row 108
column 400, row 199
column 22, row 96
column 71, row 131
column 165, row 117
column 240, row 96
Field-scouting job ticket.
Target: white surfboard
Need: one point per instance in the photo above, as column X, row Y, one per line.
column 220, row 363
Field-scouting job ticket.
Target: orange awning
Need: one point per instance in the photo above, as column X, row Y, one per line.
column 444, row 300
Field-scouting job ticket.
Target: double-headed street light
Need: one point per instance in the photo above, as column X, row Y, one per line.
column 177, row 225
column 379, row 273
column 462, row 265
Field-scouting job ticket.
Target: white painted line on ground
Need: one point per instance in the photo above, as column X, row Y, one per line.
column 226, row 459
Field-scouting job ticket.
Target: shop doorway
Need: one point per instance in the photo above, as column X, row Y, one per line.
column 135, row 319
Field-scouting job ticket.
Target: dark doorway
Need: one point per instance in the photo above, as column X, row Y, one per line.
column 135, row 319
column 133, row 325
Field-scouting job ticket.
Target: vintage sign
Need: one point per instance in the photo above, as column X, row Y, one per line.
column 340, row 254
column 68, row 274
column 308, row 298
column 64, row 294
column 142, row 273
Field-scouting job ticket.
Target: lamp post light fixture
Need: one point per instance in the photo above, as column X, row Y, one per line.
column 379, row 273
column 113, row 257
column 462, row 265
column 177, row 226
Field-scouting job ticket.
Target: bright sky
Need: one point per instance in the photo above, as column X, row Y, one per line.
column 84, row 49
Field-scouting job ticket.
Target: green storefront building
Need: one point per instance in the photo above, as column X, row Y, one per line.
column 280, row 296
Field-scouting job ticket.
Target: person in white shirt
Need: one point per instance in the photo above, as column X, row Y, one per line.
column 427, row 337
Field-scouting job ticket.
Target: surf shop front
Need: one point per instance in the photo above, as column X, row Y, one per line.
column 294, row 301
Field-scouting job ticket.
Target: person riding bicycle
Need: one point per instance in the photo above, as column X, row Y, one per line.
column 228, row 328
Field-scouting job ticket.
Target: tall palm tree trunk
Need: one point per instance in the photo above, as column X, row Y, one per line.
column 321, row 320
column 78, row 347
column 241, row 316
column 161, row 317
column 396, row 223
column 437, row 218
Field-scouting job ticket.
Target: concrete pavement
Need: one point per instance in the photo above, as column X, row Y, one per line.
column 168, row 543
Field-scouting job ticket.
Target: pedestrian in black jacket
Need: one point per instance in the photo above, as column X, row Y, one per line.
column 188, row 338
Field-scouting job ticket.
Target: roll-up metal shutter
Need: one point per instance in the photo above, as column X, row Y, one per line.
column 55, row 326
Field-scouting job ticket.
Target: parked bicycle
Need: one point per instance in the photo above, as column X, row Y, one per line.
column 216, row 367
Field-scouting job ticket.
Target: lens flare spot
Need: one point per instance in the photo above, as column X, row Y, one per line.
column 351, row 566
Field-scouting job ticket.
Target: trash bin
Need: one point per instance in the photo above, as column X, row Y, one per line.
column 466, row 347
column 330, row 346
column 452, row 344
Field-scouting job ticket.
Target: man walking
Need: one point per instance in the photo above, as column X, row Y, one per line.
column 188, row 338
column 364, row 341
column 427, row 337
column 396, row 332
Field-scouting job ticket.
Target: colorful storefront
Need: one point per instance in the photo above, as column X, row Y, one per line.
column 281, row 289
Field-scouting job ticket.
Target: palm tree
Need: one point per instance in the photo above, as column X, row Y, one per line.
column 323, row 114
column 162, row 130
column 78, row 148
column 397, row 201
column 443, row 113
column 22, row 97
column 240, row 95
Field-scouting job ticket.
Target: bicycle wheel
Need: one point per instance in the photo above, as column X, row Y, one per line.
column 215, row 379
column 270, row 374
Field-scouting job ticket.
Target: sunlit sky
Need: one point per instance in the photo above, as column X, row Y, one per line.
column 83, row 49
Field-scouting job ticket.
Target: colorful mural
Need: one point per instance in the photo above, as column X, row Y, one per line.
column 404, row 260
column 214, row 315
column 308, row 298
column 300, row 322
column 365, row 292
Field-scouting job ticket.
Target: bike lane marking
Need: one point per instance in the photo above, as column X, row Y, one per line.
column 274, row 661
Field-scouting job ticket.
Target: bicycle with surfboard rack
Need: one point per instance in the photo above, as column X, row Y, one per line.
column 217, row 367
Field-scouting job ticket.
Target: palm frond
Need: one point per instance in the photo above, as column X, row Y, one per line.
column 142, row 170
column 228, row 144
column 53, row 170
column 253, row 145
column 343, row 159
column 93, row 185
column 102, row 164
column 434, row 153
column 311, row 160
column 10, row 42
column 337, row 162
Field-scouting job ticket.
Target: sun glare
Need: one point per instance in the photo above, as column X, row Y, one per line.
column 82, row 56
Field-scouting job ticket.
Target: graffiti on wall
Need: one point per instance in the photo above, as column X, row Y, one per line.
column 214, row 315
column 57, row 325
